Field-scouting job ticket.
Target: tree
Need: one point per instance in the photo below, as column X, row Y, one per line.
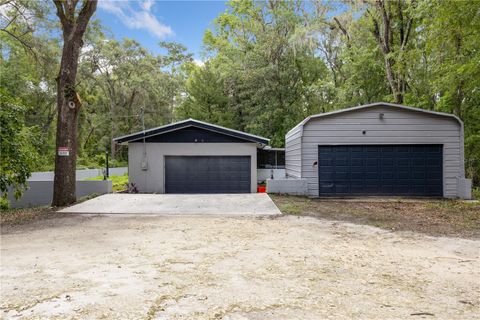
column 265, row 83
column 74, row 24
column 17, row 155
column 120, row 78
column 392, row 24
column 206, row 99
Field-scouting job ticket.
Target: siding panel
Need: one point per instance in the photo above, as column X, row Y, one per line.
column 398, row 126
column 293, row 153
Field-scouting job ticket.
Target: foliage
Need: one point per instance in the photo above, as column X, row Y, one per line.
column 4, row 204
column 256, row 80
column 271, row 64
column 476, row 193
column 268, row 65
column 17, row 155
column 118, row 182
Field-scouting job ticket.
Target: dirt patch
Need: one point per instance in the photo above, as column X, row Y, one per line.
column 13, row 217
column 151, row 267
column 432, row 217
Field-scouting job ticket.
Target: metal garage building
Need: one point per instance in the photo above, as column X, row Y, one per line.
column 379, row 149
column 192, row 156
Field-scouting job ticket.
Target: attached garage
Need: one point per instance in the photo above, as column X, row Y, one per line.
column 380, row 149
column 207, row 174
column 192, row 156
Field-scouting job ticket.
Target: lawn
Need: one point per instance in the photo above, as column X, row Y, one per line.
column 433, row 217
column 118, row 182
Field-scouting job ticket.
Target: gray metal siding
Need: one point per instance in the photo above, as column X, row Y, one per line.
column 293, row 153
column 398, row 126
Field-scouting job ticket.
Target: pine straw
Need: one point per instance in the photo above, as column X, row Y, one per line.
column 433, row 217
column 20, row 216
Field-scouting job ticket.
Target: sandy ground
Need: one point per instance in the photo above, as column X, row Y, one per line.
column 152, row 267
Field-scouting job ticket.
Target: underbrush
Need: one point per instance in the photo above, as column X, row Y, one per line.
column 118, row 182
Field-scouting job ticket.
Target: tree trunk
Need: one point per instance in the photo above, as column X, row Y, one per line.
column 68, row 101
column 68, row 107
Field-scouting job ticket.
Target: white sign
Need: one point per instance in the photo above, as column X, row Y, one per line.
column 63, row 151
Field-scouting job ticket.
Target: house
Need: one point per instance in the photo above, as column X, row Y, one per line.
column 376, row 149
column 192, row 156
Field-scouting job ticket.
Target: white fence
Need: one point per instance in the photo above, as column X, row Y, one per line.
column 40, row 193
column 298, row 187
column 81, row 174
column 40, row 186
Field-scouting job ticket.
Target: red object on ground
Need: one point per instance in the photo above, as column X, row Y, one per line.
column 261, row 189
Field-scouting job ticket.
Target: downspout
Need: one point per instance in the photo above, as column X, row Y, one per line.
column 144, row 157
column 144, row 153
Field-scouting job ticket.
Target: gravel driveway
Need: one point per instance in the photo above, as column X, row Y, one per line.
column 152, row 267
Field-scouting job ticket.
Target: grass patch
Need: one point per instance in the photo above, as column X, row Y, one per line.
column 294, row 207
column 118, row 182
column 433, row 217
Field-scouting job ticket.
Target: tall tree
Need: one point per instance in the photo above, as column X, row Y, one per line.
column 392, row 27
column 74, row 23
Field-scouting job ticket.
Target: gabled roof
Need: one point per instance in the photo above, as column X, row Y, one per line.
column 191, row 123
column 376, row 104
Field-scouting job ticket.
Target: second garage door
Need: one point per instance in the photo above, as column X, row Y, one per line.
column 403, row 170
column 207, row 174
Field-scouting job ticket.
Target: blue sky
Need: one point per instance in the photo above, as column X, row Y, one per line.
column 149, row 21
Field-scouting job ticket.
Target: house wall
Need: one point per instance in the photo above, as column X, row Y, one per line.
column 293, row 152
column 398, row 126
column 152, row 180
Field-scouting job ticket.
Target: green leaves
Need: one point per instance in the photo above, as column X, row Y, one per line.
column 17, row 155
column 256, row 79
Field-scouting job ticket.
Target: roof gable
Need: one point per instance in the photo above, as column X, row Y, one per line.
column 197, row 131
column 371, row 105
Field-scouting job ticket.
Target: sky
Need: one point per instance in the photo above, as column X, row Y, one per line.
column 150, row 21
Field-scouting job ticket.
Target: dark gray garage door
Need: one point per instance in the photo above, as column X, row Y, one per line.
column 207, row 174
column 404, row 170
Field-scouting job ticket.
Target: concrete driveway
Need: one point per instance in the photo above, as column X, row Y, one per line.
column 179, row 204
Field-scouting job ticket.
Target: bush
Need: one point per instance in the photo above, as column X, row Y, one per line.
column 476, row 193
column 4, row 204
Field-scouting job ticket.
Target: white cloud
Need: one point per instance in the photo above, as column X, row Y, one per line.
column 147, row 4
column 137, row 18
column 199, row 62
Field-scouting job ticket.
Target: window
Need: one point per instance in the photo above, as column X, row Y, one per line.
column 273, row 158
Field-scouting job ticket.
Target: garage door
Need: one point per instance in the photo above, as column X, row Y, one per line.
column 207, row 174
column 404, row 170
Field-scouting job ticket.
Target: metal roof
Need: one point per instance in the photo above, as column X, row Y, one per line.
column 189, row 123
column 376, row 104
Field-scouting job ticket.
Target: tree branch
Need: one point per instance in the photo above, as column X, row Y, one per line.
column 342, row 28
column 89, row 7
column 61, row 13
column 22, row 42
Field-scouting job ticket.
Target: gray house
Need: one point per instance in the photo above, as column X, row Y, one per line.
column 377, row 149
column 192, row 156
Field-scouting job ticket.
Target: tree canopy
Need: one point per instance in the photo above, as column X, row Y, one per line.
column 268, row 65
